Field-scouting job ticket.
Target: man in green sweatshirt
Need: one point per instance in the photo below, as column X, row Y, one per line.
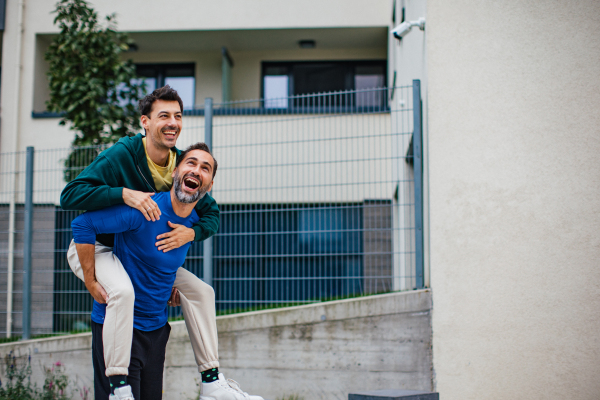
column 131, row 172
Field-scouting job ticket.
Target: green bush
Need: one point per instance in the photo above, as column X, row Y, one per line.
column 91, row 87
column 16, row 383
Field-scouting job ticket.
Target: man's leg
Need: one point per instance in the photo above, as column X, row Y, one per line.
column 118, row 321
column 198, row 306
column 139, row 345
column 152, row 373
column 101, row 384
column 147, row 362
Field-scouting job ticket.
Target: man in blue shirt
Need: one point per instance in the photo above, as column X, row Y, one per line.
column 150, row 271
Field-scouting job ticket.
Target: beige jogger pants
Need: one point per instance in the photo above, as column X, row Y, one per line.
column 197, row 304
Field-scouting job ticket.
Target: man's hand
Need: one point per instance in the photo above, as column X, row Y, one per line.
column 174, row 300
column 85, row 252
column 97, row 291
column 142, row 201
column 179, row 236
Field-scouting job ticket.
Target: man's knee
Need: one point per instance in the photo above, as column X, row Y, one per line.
column 206, row 292
column 124, row 295
column 196, row 288
column 210, row 293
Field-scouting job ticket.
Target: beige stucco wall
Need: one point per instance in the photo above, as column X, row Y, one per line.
column 140, row 15
column 514, row 147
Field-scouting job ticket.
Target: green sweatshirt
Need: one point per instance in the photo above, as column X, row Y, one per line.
column 124, row 165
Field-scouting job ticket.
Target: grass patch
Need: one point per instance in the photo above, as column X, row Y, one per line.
column 239, row 310
column 291, row 397
column 42, row 336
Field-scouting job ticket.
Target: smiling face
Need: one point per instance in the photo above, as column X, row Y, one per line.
column 164, row 124
column 193, row 177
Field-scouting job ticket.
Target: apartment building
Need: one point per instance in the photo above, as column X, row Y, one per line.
column 284, row 54
column 226, row 50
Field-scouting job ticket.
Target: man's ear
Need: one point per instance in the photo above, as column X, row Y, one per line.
column 144, row 120
column 210, row 187
column 173, row 173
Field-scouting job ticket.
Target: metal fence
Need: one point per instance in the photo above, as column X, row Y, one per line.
column 320, row 198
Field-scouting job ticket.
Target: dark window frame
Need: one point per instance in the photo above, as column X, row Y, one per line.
column 342, row 63
column 2, row 15
column 161, row 73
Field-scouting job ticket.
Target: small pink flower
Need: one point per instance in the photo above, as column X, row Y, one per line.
column 58, row 363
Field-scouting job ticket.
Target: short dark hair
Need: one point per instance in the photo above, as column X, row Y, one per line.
column 198, row 146
column 166, row 93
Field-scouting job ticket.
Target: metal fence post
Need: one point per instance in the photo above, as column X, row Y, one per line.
column 418, row 171
column 208, row 243
column 27, row 245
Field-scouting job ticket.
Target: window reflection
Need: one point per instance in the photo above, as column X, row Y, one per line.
column 293, row 78
column 180, row 77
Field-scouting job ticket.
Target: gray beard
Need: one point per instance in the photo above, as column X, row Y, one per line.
column 184, row 197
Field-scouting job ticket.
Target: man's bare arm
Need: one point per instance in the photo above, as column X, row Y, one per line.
column 86, row 253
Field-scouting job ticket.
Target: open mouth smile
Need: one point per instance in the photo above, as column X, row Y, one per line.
column 191, row 183
column 170, row 133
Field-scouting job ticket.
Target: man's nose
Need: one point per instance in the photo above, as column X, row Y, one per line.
column 172, row 121
column 196, row 170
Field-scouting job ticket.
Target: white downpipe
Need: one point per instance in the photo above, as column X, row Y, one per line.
column 15, row 148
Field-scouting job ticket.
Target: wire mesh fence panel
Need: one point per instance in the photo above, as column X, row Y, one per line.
column 59, row 300
column 308, row 188
column 12, row 170
column 316, row 198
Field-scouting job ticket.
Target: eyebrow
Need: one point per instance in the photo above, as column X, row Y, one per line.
column 196, row 158
column 166, row 111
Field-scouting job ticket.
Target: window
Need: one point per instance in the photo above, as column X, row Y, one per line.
column 276, row 91
column 179, row 76
column 283, row 79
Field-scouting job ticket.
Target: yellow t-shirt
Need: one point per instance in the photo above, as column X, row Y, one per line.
column 161, row 175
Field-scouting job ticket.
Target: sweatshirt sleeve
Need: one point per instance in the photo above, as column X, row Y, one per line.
column 95, row 188
column 114, row 219
column 208, row 211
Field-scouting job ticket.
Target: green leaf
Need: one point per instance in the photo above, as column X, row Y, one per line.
column 85, row 72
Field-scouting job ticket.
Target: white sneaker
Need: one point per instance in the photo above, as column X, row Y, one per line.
column 122, row 393
column 225, row 389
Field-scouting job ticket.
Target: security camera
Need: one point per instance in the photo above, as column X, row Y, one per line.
column 401, row 30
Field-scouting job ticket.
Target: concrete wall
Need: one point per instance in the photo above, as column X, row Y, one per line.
column 514, row 151
column 321, row 351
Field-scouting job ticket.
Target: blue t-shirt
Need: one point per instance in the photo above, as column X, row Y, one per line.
column 151, row 271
